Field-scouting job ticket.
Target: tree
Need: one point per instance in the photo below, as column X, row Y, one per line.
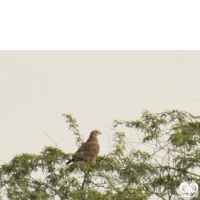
column 168, row 154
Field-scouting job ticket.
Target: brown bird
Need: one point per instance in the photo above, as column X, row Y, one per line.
column 88, row 151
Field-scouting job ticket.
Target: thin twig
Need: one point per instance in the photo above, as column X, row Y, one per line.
column 194, row 98
column 89, row 181
column 51, row 139
column 179, row 170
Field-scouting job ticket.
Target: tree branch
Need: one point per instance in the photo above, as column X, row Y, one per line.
column 44, row 184
column 89, row 181
column 169, row 167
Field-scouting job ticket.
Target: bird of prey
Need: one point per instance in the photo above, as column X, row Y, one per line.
column 88, row 151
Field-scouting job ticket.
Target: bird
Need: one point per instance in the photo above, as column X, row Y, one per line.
column 88, row 151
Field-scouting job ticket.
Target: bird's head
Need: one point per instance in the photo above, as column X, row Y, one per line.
column 96, row 132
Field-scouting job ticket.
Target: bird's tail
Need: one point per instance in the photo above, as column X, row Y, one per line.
column 68, row 162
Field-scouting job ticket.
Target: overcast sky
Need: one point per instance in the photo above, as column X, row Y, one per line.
column 37, row 87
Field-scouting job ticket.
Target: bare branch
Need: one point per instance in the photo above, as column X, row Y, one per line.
column 194, row 97
column 52, row 139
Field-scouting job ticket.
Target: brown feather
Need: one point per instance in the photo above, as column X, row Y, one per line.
column 88, row 150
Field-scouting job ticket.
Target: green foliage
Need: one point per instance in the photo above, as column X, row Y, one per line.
column 73, row 126
column 170, row 142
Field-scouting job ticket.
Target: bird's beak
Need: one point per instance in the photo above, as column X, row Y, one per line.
column 100, row 133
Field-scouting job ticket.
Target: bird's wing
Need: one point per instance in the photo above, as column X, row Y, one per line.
column 87, row 151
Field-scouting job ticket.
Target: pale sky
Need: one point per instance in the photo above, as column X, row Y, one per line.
column 37, row 87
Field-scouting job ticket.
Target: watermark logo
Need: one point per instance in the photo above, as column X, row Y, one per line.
column 188, row 191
